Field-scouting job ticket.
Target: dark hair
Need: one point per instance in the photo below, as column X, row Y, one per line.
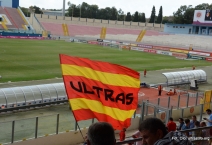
column 208, row 110
column 187, row 121
column 171, row 118
column 197, row 123
column 194, row 116
column 181, row 119
column 152, row 125
column 101, row 133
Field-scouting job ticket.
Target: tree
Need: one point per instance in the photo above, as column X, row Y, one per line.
column 202, row 6
column 160, row 15
column 143, row 18
column 152, row 17
column 135, row 19
column 25, row 11
column 184, row 15
column 36, row 9
column 71, row 8
column 114, row 13
column 121, row 15
column 128, row 17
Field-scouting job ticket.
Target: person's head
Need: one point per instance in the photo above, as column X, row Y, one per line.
column 187, row 121
column 194, row 118
column 101, row 133
column 197, row 124
column 152, row 129
column 203, row 124
column 170, row 119
column 181, row 120
column 208, row 111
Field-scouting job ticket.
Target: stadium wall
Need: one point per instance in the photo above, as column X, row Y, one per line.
column 6, row 3
column 10, row 3
column 178, row 28
column 98, row 22
column 35, row 25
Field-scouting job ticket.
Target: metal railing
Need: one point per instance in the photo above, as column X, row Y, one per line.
column 192, row 139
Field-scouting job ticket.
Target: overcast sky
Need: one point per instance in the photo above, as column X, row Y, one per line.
column 169, row 6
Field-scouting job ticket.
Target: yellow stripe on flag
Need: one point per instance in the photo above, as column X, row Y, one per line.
column 104, row 77
column 96, row 106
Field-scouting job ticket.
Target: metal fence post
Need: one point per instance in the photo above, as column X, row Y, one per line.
column 36, row 127
column 158, row 101
column 158, row 104
column 196, row 99
column 57, row 127
column 171, row 111
column 178, row 103
column 134, row 115
column 201, row 111
column 75, row 126
column 142, row 111
column 147, row 101
column 13, row 129
column 92, row 120
column 154, row 113
column 182, row 112
column 187, row 100
column 168, row 101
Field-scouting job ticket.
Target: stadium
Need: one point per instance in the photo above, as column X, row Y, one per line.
column 34, row 105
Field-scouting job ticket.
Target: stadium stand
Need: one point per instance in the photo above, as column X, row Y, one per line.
column 15, row 16
column 94, row 31
column 16, row 21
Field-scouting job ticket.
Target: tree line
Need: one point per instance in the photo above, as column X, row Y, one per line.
column 183, row 15
column 85, row 10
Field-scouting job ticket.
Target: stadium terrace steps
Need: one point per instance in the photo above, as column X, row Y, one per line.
column 2, row 11
column 17, row 19
column 56, row 29
column 81, row 30
column 14, row 17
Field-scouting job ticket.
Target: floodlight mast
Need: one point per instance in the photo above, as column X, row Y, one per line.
column 64, row 1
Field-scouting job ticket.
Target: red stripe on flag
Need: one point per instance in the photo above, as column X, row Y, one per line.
column 84, row 114
column 98, row 65
column 95, row 90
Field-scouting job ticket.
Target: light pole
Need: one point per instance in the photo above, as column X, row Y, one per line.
column 80, row 10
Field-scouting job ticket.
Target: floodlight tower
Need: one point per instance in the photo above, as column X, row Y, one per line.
column 64, row 1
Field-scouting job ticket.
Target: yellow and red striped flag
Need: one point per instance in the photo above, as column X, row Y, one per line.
column 101, row 90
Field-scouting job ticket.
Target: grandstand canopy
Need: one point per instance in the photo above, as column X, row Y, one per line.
column 184, row 77
column 27, row 95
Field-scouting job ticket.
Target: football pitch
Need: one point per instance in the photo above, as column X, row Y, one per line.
column 26, row 60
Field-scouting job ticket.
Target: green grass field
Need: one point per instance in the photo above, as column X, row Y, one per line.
column 23, row 60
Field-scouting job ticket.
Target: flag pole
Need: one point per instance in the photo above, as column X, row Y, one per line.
column 80, row 131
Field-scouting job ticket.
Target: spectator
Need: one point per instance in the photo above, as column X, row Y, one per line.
column 144, row 72
column 186, row 126
column 137, row 134
column 170, row 93
column 192, row 122
column 209, row 120
column 153, row 132
column 101, row 133
column 171, row 125
column 159, row 90
column 122, row 134
column 181, row 121
column 205, row 133
column 197, row 133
